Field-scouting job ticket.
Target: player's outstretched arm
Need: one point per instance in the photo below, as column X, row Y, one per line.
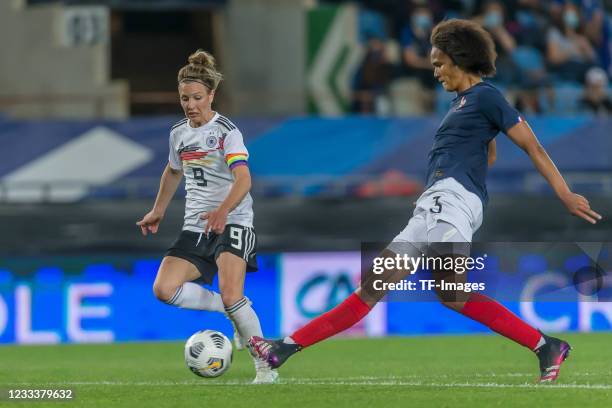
column 522, row 135
column 170, row 180
column 242, row 185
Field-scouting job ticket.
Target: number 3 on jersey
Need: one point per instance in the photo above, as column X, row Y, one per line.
column 198, row 175
column 437, row 207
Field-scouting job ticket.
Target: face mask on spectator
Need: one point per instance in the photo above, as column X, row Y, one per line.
column 422, row 21
column 571, row 19
column 492, row 19
column 526, row 19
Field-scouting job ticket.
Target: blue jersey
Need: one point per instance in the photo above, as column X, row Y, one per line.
column 461, row 144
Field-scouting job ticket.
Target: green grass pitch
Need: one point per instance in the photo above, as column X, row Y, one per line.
column 445, row 371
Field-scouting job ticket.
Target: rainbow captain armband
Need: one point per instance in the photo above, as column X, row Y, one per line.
column 235, row 160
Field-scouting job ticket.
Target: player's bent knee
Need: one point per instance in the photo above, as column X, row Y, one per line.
column 164, row 291
column 231, row 291
column 230, row 297
column 457, row 306
column 451, row 299
column 369, row 299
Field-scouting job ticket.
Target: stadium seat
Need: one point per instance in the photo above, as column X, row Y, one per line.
column 371, row 23
column 407, row 97
column 528, row 59
column 567, row 95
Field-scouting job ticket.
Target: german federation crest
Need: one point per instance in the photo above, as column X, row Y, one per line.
column 211, row 141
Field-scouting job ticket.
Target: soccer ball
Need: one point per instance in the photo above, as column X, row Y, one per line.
column 208, row 353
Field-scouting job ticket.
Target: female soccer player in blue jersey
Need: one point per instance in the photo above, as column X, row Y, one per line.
column 451, row 208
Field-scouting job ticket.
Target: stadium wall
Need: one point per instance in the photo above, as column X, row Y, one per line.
column 282, row 224
column 262, row 48
column 59, row 63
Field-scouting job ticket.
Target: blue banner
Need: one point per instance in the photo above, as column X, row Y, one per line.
column 93, row 299
column 35, row 152
column 107, row 299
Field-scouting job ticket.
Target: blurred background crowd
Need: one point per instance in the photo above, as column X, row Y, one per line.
column 118, row 58
column 553, row 55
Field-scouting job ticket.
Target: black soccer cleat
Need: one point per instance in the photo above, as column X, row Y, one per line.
column 551, row 355
column 275, row 352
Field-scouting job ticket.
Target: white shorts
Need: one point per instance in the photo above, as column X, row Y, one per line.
column 445, row 212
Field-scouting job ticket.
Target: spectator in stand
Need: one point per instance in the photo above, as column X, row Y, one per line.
column 492, row 19
column 372, row 78
column 595, row 98
column 568, row 52
column 528, row 24
column 597, row 30
column 454, row 8
column 414, row 40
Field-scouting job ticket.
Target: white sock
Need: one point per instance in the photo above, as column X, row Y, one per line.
column 288, row 340
column 245, row 319
column 193, row 296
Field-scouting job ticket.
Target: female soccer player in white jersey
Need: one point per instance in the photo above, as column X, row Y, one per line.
column 451, row 208
column 218, row 233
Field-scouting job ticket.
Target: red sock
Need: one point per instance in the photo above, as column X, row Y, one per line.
column 496, row 317
column 340, row 318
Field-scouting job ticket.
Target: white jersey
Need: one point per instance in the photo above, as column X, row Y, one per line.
column 206, row 156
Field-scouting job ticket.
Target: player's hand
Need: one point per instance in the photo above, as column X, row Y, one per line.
column 150, row 222
column 216, row 221
column 579, row 206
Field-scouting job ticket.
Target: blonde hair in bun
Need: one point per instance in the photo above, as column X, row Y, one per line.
column 201, row 68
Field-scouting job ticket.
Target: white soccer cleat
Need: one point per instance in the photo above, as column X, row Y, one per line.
column 264, row 374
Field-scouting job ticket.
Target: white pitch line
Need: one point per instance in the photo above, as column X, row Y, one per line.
column 340, row 381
